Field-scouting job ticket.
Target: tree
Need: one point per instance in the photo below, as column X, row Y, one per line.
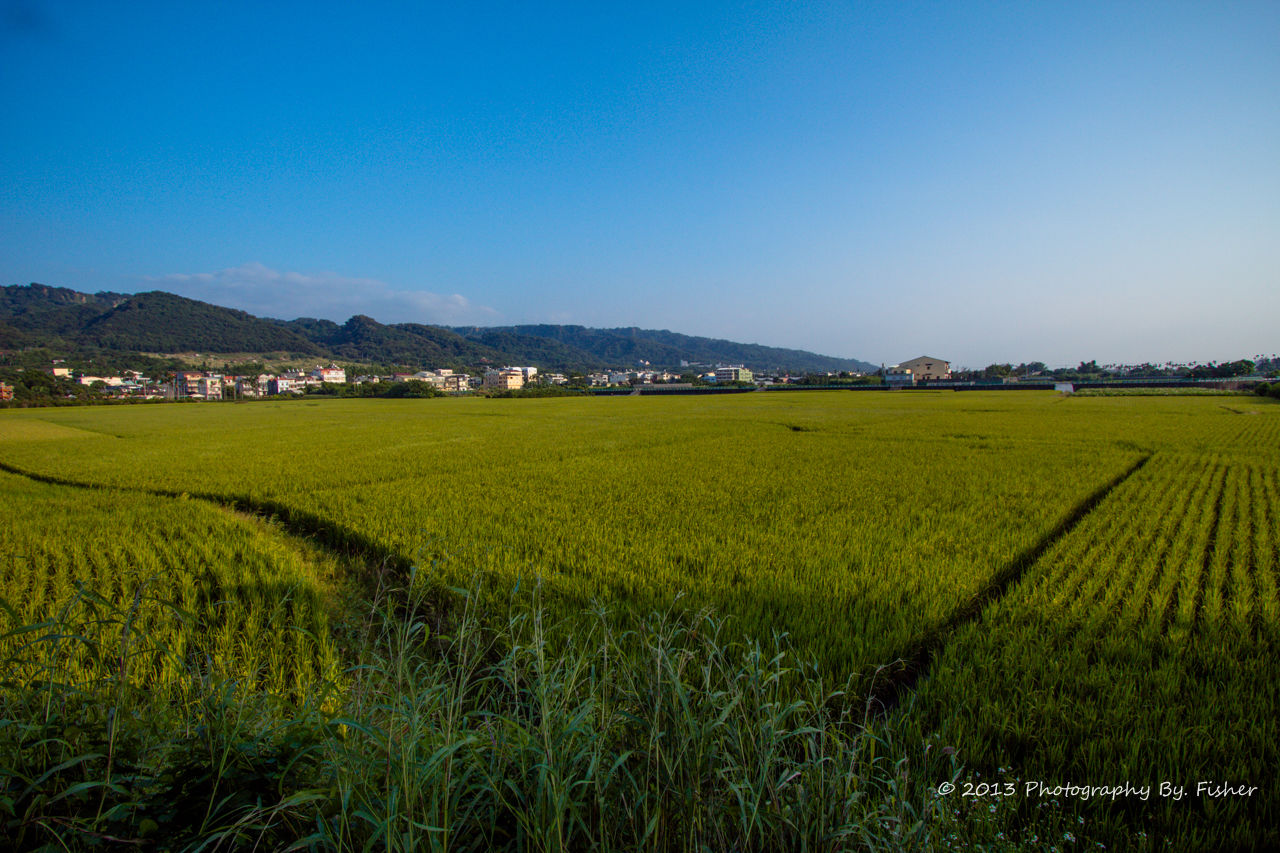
column 997, row 371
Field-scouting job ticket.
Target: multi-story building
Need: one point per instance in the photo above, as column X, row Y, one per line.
column 186, row 383
column 927, row 367
column 733, row 374
column 506, row 379
column 281, row 385
column 332, row 373
column 455, row 382
column 210, row 387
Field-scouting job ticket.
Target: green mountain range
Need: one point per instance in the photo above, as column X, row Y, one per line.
column 68, row 323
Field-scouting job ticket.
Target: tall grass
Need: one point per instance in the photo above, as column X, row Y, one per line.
column 503, row 731
column 91, row 754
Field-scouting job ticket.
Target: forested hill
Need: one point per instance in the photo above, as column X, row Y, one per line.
column 66, row 322
column 364, row 339
column 660, row 348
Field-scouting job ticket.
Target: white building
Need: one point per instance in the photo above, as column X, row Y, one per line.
column 210, row 387
column 332, row 373
column 898, row 377
column 282, row 385
column 109, row 381
column 733, row 374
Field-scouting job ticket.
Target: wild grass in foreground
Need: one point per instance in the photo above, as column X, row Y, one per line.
column 528, row 736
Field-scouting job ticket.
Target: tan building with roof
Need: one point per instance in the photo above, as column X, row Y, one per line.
column 927, row 367
column 506, row 379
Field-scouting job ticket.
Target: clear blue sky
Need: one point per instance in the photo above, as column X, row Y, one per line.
column 975, row 181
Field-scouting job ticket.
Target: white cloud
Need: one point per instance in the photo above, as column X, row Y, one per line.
column 260, row 290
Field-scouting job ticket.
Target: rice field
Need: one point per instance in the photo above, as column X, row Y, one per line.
column 194, row 580
column 1092, row 580
column 1141, row 649
column 856, row 530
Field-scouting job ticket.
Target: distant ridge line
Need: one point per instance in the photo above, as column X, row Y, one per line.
column 69, row 322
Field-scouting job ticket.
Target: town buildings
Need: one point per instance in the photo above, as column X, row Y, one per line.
column 207, row 385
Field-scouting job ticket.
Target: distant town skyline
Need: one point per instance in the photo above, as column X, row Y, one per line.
column 977, row 182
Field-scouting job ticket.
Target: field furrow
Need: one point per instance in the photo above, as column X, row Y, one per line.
column 1145, row 692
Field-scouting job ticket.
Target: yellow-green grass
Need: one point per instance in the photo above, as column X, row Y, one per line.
column 860, row 523
column 1140, row 649
column 160, row 583
column 857, row 523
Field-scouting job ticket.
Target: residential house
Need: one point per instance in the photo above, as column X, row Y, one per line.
column 109, row 381
column 896, row 377
column 282, row 385
column 186, row 384
column 332, row 373
column 927, row 367
column 456, row 382
column 210, row 387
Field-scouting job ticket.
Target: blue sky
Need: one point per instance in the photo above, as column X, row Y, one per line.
column 976, row 181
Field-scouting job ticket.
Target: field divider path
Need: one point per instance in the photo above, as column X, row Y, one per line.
column 305, row 525
column 913, row 665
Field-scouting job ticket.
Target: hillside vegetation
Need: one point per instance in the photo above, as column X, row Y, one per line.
column 64, row 322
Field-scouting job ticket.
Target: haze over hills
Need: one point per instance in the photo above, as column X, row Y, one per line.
column 67, row 322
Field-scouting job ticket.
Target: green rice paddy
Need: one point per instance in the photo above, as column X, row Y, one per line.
column 1066, row 591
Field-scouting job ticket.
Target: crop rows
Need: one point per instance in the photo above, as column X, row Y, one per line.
column 167, row 580
column 1140, row 648
column 857, row 529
